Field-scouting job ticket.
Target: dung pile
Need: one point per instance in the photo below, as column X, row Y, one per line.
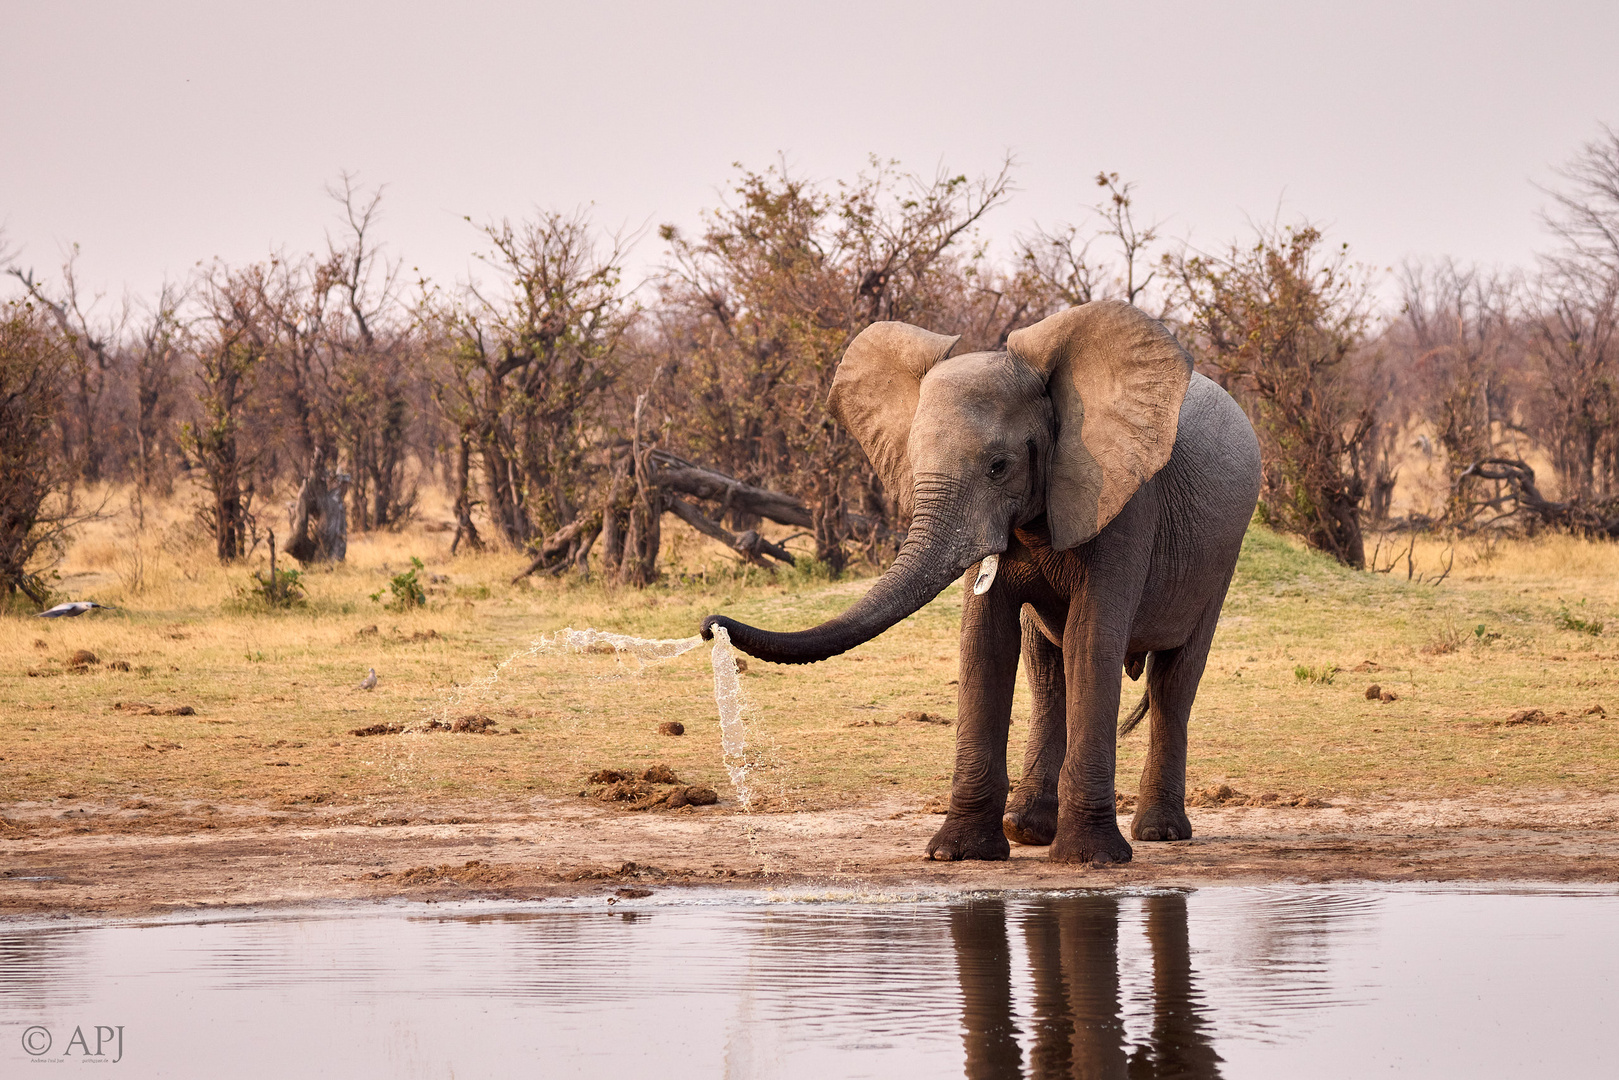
column 656, row 786
column 1226, row 795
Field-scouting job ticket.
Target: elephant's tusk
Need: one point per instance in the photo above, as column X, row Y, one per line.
column 986, row 574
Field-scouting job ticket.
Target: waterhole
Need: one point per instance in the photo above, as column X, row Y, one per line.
column 1236, row 982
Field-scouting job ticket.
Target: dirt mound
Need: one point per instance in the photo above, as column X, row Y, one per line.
column 141, row 708
column 1226, row 795
column 1541, row 718
column 652, row 774
column 473, row 872
column 83, row 658
column 622, row 870
column 926, row 718
column 471, row 724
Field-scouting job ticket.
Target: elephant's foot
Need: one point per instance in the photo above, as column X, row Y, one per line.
column 1098, row 843
column 1160, row 821
column 1031, row 816
column 965, row 838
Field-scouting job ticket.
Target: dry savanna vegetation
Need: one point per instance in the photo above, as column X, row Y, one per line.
column 288, row 474
column 204, row 704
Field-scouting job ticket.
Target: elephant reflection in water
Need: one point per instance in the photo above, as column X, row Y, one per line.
column 1077, row 1028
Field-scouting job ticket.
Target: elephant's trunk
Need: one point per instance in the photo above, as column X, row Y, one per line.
column 934, row 554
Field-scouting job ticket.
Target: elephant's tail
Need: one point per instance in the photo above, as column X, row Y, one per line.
column 1139, row 713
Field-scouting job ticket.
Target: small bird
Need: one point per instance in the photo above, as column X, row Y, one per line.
column 71, row 609
column 369, row 682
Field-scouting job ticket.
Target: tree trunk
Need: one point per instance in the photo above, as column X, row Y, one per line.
column 614, row 522
column 830, row 531
column 319, row 521
column 464, row 528
column 645, row 533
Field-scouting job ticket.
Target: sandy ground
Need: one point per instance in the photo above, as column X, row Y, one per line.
column 130, row 860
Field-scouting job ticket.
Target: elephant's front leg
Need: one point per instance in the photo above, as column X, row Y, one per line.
column 1031, row 812
column 1087, row 818
column 989, row 653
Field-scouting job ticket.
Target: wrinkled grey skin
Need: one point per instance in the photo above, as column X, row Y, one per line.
column 1147, row 588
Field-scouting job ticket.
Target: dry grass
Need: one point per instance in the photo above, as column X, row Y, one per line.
column 275, row 699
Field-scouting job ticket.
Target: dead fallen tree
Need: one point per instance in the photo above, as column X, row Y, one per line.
column 568, row 546
column 748, row 543
column 732, row 495
column 1516, row 495
column 735, row 496
column 648, row 483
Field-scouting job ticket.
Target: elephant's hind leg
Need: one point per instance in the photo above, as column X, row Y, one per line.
column 1172, row 678
column 1031, row 812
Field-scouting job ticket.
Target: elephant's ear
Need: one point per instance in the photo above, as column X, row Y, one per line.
column 1116, row 377
column 875, row 391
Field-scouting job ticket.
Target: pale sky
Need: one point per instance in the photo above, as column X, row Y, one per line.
column 162, row 133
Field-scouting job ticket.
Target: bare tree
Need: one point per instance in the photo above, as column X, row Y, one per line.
column 36, row 483
column 530, row 362
column 1061, row 259
column 1586, row 213
column 1279, row 318
column 1460, row 343
column 757, row 310
column 229, row 347
column 153, row 371
column 91, row 347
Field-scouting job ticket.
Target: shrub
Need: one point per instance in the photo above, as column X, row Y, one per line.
column 1567, row 620
column 278, row 588
column 406, row 589
column 1321, row 676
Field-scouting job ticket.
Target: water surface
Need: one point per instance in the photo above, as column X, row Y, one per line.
column 1236, row 982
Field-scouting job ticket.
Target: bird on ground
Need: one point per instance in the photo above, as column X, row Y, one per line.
column 72, row 609
column 370, row 681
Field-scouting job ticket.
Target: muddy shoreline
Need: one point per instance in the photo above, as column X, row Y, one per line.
column 77, row 860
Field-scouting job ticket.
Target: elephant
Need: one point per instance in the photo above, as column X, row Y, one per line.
column 1095, row 490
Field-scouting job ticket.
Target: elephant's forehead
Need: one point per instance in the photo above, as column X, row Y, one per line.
column 987, row 385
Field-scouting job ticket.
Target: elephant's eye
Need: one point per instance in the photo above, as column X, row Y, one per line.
column 997, row 468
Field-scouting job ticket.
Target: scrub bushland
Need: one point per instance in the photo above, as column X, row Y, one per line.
column 1498, row 679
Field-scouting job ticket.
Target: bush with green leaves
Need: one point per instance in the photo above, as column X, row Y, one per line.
column 278, row 588
column 406, row 589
